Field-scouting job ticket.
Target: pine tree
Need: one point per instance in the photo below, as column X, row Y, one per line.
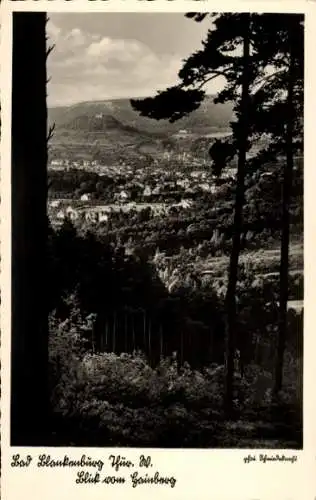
column 219, row 57
column 273, row 105
column 279, row 114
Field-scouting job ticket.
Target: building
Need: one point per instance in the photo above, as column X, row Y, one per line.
column 123, row 196
column 56, row 163
column 91, row 216
column 55, row 204
column 205, row 187
column 103, row 216
column 183, row 204
column 182, row 134
column 186, row 203
column 147, row 191
column 195, row 174
column 85, row 197
column 156, row 190
column 229, row 172
column 60, row 215
column 72, row 214
column 184, row 183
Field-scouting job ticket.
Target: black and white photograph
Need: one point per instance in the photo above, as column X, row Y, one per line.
column 157, row 171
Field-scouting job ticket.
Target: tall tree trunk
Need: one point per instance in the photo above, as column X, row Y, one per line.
column 125, row 331
column 239, row 201
column 101, row 341
column 93, row 338
column 181, row 347
column 144, row 331
column 133, row 331
column 114, row 333
column 107, row 335
column 161, row 341
column 29, row 352
column 285, row 237
column 149, row 340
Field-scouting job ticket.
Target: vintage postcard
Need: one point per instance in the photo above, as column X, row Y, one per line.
column 157, row 216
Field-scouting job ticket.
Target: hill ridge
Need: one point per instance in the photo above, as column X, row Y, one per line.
column 208, row 117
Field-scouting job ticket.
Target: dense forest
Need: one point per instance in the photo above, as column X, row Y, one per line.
column 174, row 330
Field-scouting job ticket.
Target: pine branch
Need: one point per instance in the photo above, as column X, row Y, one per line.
column 50, row 132
column 210, row 78
column 196, row 16
column 49, row 49
column 267, row 78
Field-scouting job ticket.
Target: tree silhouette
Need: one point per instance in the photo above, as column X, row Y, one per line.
column 279, row 113
column 29, row 353
column 219, row 57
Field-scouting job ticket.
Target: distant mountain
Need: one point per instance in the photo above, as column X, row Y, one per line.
column 100, row 122
column 118, row 114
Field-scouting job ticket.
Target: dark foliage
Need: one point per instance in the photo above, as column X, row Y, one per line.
column 133, row 309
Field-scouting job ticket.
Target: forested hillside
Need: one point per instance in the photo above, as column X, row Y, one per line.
column 205, row 120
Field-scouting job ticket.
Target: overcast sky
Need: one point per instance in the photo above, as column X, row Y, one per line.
column 107, row 55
